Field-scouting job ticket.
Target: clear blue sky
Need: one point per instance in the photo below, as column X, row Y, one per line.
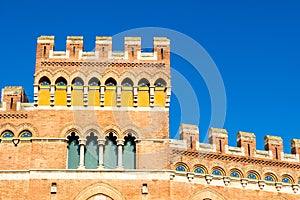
column 255, row 45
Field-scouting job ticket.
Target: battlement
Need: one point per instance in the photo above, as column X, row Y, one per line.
column 246, row 144
column 12, row 97
column 133, row 51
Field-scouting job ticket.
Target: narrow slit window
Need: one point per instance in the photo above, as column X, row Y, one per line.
column 44, row 50
column 162, row 53
column 11, row 102
column 132, row 51
column 74, row 50
column 220, row 144
column 248, row 149
column 276, row 152
column 102, row 50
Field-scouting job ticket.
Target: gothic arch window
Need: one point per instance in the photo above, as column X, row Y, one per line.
column 144, row 83
column 73, row 151
column 94, row 82
column 287, row 179
column 77, row 82
column 160, row 83
column 91, row 158
column 199, row 169
column 110, row 152
column 44, row 82
column 181, row 167
column 7, row 134
column 218, row 171
column 129, row 152
column 60, row 82
column 253, row 175
column 110, row 82
column 127, row 82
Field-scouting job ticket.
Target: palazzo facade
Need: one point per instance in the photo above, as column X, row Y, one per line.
column 98, row 129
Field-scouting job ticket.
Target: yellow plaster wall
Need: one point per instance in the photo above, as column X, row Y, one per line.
column 143, row 98
column 159, row 98
column 127, row 98
column 44, row 97
column 60, row 97
column 94, row 97
column 77, row 97
column 110, row 96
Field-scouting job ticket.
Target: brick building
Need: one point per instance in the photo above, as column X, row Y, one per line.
column 99, row 129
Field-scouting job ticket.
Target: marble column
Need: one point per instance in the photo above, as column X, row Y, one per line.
column 82, row 143
column 120, row 144
column 101, row 143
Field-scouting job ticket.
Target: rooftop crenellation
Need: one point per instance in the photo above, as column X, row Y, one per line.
column 133, row 50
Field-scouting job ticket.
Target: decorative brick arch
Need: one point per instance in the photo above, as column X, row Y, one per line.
column 207, row 193
column 112, row 129
column 29, row 127
column 69, row 128
column 93, row 128
column 98, row 189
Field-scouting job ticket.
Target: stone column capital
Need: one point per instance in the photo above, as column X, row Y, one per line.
column 120, row 142
column 82, row 141
column 101, row 142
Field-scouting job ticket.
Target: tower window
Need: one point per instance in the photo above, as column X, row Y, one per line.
column 44, row 50
column 162, row 53
column 132, row 51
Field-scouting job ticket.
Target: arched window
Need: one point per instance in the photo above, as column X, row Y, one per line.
column 25, row 135
column 110, row 82
column 287, row 179
column 181, row 167
column 160, row 83
column 235, row 173
column 217, row 171
column 77, row 82
column 77, row 92
column 94, row 93
column 94, row 82
column 143, row 93
column 60, row 96
column 44, row 91
column 73, row 151
column 269, row 177
column 91, row 158
column 129, row 152
column 198, row 169
column 253, row 175
column 60, row 82
column 44, row 82
column 7, row 134
column 110, row 96
column 127, row 82
column 110, row 152
column 127, row 93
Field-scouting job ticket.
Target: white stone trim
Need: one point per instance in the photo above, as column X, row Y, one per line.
column 59, row 54
column 146, row 55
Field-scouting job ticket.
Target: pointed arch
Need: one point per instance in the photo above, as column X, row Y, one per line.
column 61, row 73
column 95, row 129
column 29, row 127
column 78, row 74
column 69, row 128
column 129, row 74
column 44, row 72
column 112, row 74
column 93, row 74
column 98, row 189
column 207, row 193
column 161, row 75
column 114, row 129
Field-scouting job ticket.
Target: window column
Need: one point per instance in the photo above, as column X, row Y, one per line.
column 82, row 143
column 101, row 143
column 120, row 144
